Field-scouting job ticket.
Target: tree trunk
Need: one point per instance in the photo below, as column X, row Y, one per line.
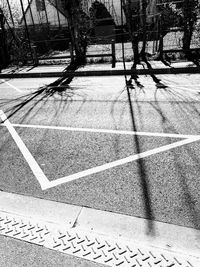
column 132, row 21
column 189, row 10
column 78, row 29
column 4, row 57
column 144, row 29
column 187, row 36
column 161, row 37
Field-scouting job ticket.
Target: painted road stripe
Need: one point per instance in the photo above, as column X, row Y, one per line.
column 46, row 184
column 105, row 131
column 120, row 162
column 12, row 86
column 37, row 171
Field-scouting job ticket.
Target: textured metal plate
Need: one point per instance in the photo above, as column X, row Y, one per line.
column 91, row 246
column 23, row 229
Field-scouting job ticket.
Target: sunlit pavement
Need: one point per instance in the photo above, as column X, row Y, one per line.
column 77, row 146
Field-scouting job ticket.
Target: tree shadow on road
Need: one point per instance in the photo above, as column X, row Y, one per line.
column 134, row 77
column 142, row 172
column 189, row 184
column 130, row 91
column 177, row 100
column 183, row 106
column 30, row 104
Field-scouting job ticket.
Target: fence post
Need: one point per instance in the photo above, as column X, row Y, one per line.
column 4, row 57
column 35, row 58
column 113, row 54
column 71, row 52
column 1, row 59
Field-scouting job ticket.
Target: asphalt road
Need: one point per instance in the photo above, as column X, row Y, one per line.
column 83, row 136
column 28, row 254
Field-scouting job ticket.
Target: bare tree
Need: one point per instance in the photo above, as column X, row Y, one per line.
column 169, row 16
column 16, row 43
column 11, row 11
column 4, row 57
column 144, row 29
column 78, row 24
column 131, row 11
column 189, row 11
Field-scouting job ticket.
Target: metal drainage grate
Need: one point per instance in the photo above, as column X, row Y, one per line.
column 23, row 229
column 90, row 246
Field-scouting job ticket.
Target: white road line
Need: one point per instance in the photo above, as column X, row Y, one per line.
column 106, row 131
column 46, row 184
column 14, row 87
column 37, row 171
column 120, row 162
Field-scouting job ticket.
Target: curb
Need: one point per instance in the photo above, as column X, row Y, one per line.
column 186, row 70
column 173, row 238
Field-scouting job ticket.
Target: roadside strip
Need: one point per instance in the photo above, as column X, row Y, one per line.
column 191, row 70
column 99, row 236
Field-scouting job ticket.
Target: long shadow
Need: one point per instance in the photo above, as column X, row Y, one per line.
column 19, row 103
column 30, row 101
column 153, row 76
column 130, row 89
column 149, row 214
column 188, row 198
column 180, row 101
column 184, row 104
column 134, row 76
column 181, row 98
column 158, row 109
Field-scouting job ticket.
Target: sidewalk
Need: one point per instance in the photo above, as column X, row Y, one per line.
column 87, row 237
column 100, row 70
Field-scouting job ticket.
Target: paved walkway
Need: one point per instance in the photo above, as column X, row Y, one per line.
column 94, row 236
column 36, row 232
column 157, row 67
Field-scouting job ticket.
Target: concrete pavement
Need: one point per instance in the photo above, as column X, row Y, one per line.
column 91, row 119
column 171, row 240
column 94, row 70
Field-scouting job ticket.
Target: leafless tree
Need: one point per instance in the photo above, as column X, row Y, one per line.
column 189, row 11
column 133, row 21
column 144, row 28
column 11, row 11
column 4, row 58
column 78, row 24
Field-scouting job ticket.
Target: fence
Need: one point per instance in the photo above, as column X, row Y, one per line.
column 43, row 25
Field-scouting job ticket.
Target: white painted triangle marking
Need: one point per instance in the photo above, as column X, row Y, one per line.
column 37, row 171
column 46, row 184
column 109, row 131
column 120, row 162
column 12, row 86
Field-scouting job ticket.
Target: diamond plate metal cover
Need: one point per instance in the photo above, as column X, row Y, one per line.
column 91, row 246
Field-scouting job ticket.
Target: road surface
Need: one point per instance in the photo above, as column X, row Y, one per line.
column 78, row 146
